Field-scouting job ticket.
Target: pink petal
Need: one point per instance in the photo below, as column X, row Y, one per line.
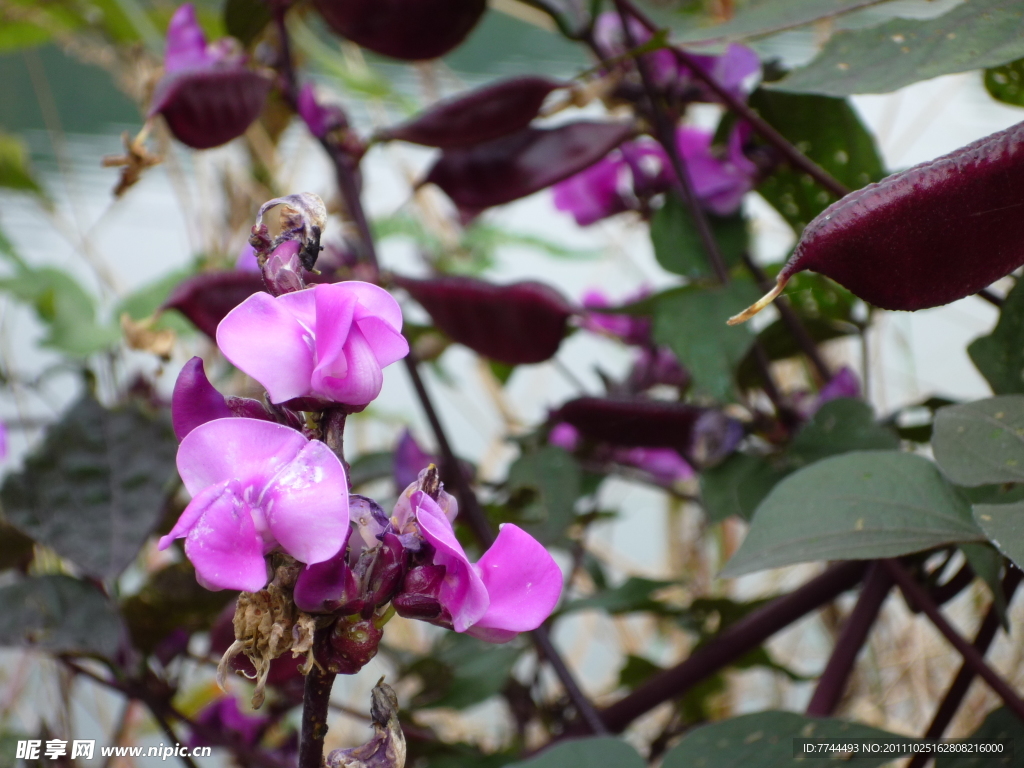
column 374, row 301
column 306, row 504
column 249, row 450
column 265, row 340
column 186, row 43
column 463, row 592
column 388, row 345
column 195, row 401
column 302, row 306
column 194, row 511
column 522, row 579
column 363, row 377
column 491, row 635
column 334, row 311
column 224, row 547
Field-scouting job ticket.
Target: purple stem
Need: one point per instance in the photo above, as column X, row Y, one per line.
column 742, row 637
column 316, row 699
column 919, row 596
column 965, row 676
column 832, row 682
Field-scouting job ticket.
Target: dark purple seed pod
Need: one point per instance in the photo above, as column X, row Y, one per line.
column 403, row 29
column 418, row 598
column 925, row 236
column 513, row 324
column 207, row 297
column 386, row 572
column 350, row 646
column 205, row 108
column 481, row 115
column 522, row 163
column 633, row 422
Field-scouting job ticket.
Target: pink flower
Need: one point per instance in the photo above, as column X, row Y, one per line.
column 196, row 401
column 565, row 436
column 328, row 343
column 631, row 330
column 513, row 588
column 320, row 119
column 664, row 464
column 257, row 486
column 223, row 719
column 595, row 193
column 720, row 183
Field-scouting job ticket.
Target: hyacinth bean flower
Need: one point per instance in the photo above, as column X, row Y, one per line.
column 627, row 328
column 196, row 401
column 664, row 464
column 222, row 719
column 733, row 69
column 208, row 95
column 328, row 343
column 513, row 588
column 641, row 168
column 257, row 486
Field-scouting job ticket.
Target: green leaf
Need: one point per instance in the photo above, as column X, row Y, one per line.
column 553, row 480
column 632, row 596
column 95, row 489
column 987, row 564
column 14, row 170
column 974, row 35
column 840, row 426
column 1004, row 83
column 982, row 442
column 1000, row 355
column 370, row 467
column 831, row 134
column 765, row 740
column 60, row 615
column 815, row 297
column 148, row 299
column 245, row 19
column 677, row 244
column 771, row 16
column 738, row 485
column 1000, row 725
column 691, row 322
column 1004, row 526
column 863, row 504
column 596, row 752
column 463, row 671
column 637, row 670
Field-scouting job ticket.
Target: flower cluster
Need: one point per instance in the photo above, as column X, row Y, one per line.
column 271, row 512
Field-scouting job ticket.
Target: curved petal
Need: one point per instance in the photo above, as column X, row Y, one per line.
column 306, row 504
column 334, row 311
column 195, row 401
column 195, row 510
column 522, row 579
column 388, row 345
column 374, row 301
column 224, row 547
column 262, row 338
column 302, row 306
column 491, row 635
column 249, row 450
column 462, row 592
column 362, row 380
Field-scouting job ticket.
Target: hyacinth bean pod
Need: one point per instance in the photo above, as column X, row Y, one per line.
column 522, row 163
column 513, row 324
column 481, row 115
column 925, row 236
column 424, row 29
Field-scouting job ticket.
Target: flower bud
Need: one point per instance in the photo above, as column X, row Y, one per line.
column 385, row 573
column 329, row 587
column 349, row 646
column 282, row 269
column 300, row 217
column 418, row 598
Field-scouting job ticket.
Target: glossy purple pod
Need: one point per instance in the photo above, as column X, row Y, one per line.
column 522, row 163
column 925, row 236
column 207, row 297
column 513, row 324
column 633, row 422
column 481, row 115
column 205, row 108
column 411, row 30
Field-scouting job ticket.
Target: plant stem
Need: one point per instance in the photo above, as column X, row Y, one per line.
column 832, row 682
column 965, row 676
column 733, row 642
column 316, row 699
column 916, row 594
column 469, row 507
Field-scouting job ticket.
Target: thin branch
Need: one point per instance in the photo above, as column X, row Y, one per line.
column 316, row 698
column 832, row 682
column 165, row 726
column 990, row 297
column 471, row 511
column 733, row 643
column 916, row 594
column 965, row 676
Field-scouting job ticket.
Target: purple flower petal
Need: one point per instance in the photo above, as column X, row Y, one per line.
column 246, row 450
column 409, row 460
column 334, row 312
column 195, row 401
column 186, row 43
column 307, row 504
column 665, row 464
column 328, row 586
column 565, row 436
column 594, row 193
column 224, row 545
column 265, row 340
column 463, row 592
column 522, row 579
column 843, row 384
column 363, row 377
